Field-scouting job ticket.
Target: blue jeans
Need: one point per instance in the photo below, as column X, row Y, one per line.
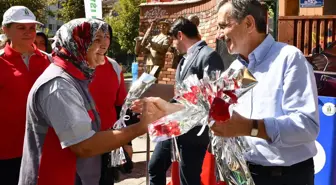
column 192, row 150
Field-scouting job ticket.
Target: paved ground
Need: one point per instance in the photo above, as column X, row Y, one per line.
column 138, row 176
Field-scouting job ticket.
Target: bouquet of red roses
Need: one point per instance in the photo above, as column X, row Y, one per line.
column 206, row 101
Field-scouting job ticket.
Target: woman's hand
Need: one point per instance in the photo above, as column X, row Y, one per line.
column 137, row 106
column 159, row 107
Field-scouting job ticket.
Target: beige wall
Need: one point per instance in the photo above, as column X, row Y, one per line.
column 311, row 11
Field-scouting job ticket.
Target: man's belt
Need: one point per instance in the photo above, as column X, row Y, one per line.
column 274, row 171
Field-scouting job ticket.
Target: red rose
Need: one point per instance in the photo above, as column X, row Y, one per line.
column 219, row 110
column 190, row 97
column 157, row 130
column 219, row 94
column 158, row 127
column 233, row 97
column 195, row 89
column 210, row 99
column 176, row 132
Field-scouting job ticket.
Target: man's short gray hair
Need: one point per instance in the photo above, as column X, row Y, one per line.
column 243, row 8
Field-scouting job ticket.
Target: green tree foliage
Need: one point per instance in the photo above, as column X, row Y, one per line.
column 271, row 5
column 71, row 9
column 125, row 24
column 38, row 7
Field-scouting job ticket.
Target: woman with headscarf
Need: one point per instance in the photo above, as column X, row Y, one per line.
column 21, row 63
column 63, row 125
column 108, row 91
column 41, row 41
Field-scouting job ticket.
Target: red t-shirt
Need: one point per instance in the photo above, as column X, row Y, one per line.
column 16, row 80
column 107, row 92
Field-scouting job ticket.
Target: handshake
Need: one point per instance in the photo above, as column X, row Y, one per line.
column 154, row 108
column 202, row 102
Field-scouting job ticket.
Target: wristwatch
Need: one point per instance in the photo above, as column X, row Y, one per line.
column 255, row 130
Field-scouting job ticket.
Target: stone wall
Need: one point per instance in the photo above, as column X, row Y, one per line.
column 205, row 9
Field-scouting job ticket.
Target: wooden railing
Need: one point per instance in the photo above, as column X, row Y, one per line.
column 308, row 33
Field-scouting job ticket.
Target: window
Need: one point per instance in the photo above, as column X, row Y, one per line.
column 58, row 27
column 50, row 27
column 59, row 4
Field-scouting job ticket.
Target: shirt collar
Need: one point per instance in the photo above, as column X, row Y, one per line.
column 193, row 47
column 259, row 53
column 10, row 52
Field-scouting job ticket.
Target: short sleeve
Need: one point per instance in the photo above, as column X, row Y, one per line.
column 64, row 109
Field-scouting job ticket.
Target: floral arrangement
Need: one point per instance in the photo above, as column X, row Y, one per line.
column 207, row 101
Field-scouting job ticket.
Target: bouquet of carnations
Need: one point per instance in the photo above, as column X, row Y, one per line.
column 137, row 89
column 207, row 101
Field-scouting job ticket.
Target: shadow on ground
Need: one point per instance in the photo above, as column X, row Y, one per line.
column 139, row 171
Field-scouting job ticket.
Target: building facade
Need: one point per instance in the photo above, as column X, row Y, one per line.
column 53, row 24
column 206, row 10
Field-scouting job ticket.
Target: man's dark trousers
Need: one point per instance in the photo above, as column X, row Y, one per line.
column 192, row 149
column 297, row 174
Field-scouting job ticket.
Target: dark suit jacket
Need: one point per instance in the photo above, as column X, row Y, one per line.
column 202, row 57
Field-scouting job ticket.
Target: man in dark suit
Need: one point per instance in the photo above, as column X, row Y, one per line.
column 197, row 56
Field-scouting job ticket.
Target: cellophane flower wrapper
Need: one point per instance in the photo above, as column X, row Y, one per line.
column 136, row 91
column 230, row 164
column 118, row 157
column 175, row 153
column 205, row 100
column 208, row 100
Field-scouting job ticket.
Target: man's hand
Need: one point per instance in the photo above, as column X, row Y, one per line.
column 166, row 107
column 149, row 112
column 237, row 125
column 152, row 109
column 161, row 107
